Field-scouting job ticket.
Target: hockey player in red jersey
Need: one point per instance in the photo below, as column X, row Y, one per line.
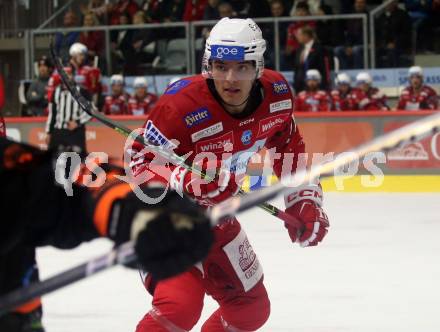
column 343, row 96
column 228, row 113
column 417, row 96
column 312, row 99
column 367, row 97
column 116, row 102
column 141, row 101
column 86, row 76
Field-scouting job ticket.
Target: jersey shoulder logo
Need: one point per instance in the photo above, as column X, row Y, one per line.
column 196, row 117
column 155, row 136
column 176, row 87
column 280, row 88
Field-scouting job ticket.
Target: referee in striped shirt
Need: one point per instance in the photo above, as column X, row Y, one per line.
column 65, row 125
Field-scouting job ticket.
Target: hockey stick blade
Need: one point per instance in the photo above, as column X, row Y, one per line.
column 175, row 159
column 413, row 132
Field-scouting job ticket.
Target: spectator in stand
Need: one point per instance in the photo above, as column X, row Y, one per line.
column 142, row 100
column 225, row 10
column 152, row 10
column 122, row 7
column 417, row 96
column 277, row 10
column 63, row 40
column 172, row 10
column 86, row 77
column 343, row 98
column 134, row 51
column 312, row 5
column 310, row 55
column 2, row 103
column 393, row 36
column 367, row 97
column 430, row 27
column 351, row 54
column 94, row 40
column 97, row 7
column 254, row 8
column 116, row 102
column 121, row 42
column 292, row 42
column 194, row 10
column 211, row 10
column 36, row 95
column 312, row 99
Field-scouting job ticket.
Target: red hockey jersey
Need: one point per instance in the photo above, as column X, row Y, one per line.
column 115, row 105
column 343, row 102
column 425, row 99
column 372, row 100
column 87, row 77
column 316, row 101
column 138, row 106
column 189, row 113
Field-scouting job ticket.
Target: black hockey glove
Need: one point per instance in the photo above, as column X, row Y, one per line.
column 170, row 236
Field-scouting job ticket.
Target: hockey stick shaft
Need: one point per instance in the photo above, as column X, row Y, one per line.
column 394, row 139
column 175, row 159
column 413, row 132
column 123, row 254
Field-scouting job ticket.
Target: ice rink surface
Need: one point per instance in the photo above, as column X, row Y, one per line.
column 378, row 270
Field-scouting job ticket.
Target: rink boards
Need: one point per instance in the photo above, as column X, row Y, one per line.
column 413, row 168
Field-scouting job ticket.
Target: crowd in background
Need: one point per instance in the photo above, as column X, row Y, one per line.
column 342, row 39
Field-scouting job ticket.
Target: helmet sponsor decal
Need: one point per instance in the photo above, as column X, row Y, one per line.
column 225, row 52
column 196, row 117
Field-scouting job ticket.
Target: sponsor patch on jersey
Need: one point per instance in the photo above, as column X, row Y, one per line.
column 246, row 122
column 196, row 117
column 176, row 87
column 281, row 105
column 224, row 52
column 155, row 136
column 216, row 145
column 211, row 130
column 246, row 137
column 271, row 123
column 280, row 88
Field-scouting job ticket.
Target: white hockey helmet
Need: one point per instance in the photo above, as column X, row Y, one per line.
column 415, row 71
column 363, row 77
column 77, row 48
column 117, row 79
column 234, row 39
column 313, row 75
column 342, row 78
column 140, row 82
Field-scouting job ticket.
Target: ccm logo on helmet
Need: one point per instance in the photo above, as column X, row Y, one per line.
column 223, row 52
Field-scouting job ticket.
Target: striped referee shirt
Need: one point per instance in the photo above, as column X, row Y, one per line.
column 63, row 109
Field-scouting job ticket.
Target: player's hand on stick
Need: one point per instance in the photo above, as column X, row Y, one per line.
column 170, row 236
column 305, row 205
column 218, row 185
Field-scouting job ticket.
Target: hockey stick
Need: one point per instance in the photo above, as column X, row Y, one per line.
column 124, row 254
column 175, row 159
